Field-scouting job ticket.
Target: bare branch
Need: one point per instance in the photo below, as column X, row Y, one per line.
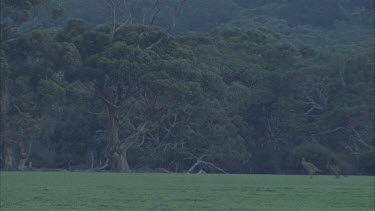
column 157, row 10
column 199, row 162
column 16, row 107
column 176, row 13
column 134, row 138
column 332, row 130
column 360, row 140
column 99, row 93
column 102, row 167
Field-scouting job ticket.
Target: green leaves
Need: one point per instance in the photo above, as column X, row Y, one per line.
column 57, row 13
column 232, row 96
column 50, row 89
column 21, row 11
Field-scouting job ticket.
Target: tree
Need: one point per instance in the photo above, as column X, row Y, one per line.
column 144, row 12
column 35, row 91
column 131, row 83
column 135, row 95
column 113, row 6
column 7, row 153
column 17, row 12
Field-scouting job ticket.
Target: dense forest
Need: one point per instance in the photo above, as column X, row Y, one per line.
column 236, row 86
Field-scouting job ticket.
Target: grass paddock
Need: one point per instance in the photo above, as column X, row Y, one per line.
column 116, row 191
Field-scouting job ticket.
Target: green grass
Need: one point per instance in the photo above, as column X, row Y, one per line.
column 113, row 191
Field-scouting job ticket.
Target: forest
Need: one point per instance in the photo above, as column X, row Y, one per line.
column 227, row 86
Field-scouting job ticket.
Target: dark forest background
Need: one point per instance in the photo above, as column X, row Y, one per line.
column 241, row 86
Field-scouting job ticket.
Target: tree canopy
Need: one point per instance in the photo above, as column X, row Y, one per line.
column 225, row 86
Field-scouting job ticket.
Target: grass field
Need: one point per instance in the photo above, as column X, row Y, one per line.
column 113, row 191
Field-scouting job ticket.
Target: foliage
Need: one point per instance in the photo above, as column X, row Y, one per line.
column 249, row 99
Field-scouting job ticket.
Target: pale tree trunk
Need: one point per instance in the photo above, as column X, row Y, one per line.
column 8, row 162
column 117, row 155
column 116, row 152
column 24, row 152
column 113, row 13
column 21, row 164
column 120, row 162
column 113, row 6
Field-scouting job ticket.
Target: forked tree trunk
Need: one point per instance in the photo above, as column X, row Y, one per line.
column 119, row 162
column 113, row 6
column 117, row 156
column 117, row 149
column 24, row 153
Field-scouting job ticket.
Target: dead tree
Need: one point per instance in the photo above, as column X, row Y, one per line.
column 176, row 13
column 113, row 6
column 199, row 161
column 150, row 12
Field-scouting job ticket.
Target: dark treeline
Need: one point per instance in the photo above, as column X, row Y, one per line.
column 233, row 86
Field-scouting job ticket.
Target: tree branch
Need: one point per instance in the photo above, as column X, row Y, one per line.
column 206, row 163
column 360, row 140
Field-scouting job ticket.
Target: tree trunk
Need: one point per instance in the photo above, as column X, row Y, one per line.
column 7, row 149
column 24, row 153
column 92, row 160
column 117, row 156
column 21, row 164
column 113, row 14
column 120, row 162
column 8, row 163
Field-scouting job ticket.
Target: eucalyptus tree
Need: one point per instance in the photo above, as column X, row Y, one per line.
column 135, row 77
column 145, row 12
column 18, row 126
column 35, row 90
